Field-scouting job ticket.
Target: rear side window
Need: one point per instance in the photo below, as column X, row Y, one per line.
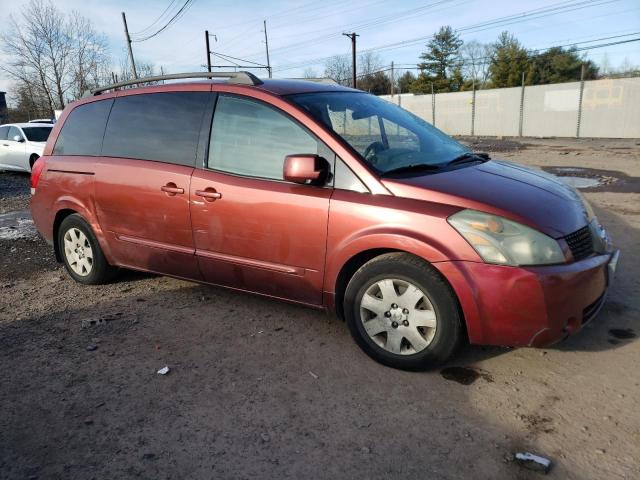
column 37, row 134
column 157, row 126
column 249, row 138
column 83, row 130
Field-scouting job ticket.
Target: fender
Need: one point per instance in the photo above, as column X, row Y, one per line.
column 67, row 202
column 396, row 238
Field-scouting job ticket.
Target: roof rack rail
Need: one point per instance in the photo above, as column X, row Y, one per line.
column 241, row 78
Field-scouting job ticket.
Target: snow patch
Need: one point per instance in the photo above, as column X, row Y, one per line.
column 22, row 228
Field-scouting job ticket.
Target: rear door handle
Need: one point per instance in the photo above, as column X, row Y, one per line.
column 209, row 194
column 171, row 189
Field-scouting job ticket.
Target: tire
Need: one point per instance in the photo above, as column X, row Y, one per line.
column 81, row 252
column 32, row 161
column 414, row 332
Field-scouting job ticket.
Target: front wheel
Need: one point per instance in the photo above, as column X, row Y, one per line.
column 402, row 313
column 81, row 252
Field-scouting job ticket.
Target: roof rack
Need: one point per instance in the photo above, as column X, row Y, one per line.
column 241, row 78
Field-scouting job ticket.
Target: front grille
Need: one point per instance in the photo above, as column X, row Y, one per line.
column 580, row 243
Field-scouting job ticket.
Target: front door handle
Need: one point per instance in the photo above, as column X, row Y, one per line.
column 209, row 194
column 171, row 189
column 5, row 144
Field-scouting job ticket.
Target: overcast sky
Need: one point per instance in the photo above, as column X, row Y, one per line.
column 302, row 33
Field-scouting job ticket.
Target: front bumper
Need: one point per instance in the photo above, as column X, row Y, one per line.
column 529, row 306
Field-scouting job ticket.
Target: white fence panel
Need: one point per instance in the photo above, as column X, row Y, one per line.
column 610, row 109
column 498, row 112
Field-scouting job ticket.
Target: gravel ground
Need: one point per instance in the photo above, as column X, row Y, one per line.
column 262, row 389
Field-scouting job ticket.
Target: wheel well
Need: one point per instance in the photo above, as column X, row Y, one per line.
column 355, row 262
column 33, row 158
column 347, row 271
column 60, row 216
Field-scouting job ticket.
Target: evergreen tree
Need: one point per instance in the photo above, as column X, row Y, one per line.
column 557, row 65
column 509, row 61
column 405, row 81
column 377, row 83
column 440, row 63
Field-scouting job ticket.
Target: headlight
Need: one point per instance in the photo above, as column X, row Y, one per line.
column 501, row 241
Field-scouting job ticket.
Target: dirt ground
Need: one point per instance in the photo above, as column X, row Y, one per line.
column 262, row 389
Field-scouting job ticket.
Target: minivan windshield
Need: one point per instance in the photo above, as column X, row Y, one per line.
column 37, row 134
column 389, row 138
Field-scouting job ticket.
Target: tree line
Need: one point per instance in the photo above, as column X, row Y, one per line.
column 450, row 65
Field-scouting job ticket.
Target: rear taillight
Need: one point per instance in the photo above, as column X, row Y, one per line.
column 36, row 171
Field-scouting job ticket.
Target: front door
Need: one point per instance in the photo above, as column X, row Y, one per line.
column 15, row 151
column 252, row 230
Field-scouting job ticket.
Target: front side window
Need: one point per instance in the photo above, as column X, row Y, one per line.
column 14, row 132
column 387, row 137
column 163, row 127
column 251, row 139
column 37, row 134
column 83, row 130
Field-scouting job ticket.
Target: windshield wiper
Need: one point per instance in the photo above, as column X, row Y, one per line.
column 468, row 157
column 416, row 167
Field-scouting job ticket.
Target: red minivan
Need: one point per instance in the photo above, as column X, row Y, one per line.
column 325, row 196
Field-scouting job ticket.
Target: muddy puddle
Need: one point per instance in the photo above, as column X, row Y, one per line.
column 596, row 180
column 465, row 375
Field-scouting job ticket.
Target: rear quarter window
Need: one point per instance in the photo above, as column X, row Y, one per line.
column 83, row 130
column 163, row 127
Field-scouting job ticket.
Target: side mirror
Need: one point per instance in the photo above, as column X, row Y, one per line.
column 18, row 138
column 305, row 169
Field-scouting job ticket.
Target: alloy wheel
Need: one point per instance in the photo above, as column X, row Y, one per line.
column 78, row 252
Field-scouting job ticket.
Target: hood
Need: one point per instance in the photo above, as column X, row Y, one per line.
column 522, row 194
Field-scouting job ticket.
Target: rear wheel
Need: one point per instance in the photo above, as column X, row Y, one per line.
column 81, row 252
column 402, row 313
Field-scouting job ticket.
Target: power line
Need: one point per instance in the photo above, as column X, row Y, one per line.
column 156, row 20
column 358, row 26
column 492, row 23
column 187, row 4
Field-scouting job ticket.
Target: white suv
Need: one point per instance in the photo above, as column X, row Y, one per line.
column 21, row 144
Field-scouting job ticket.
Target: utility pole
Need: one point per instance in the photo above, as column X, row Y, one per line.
column 206, row 39
column 580, row 101
column 266, row 43
column 392, row 79
column 126, row 32
column 353, row 36
column 473, row 108
column 521, row 120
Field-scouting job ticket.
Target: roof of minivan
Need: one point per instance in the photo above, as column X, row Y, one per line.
column 274, row 86
column 291, row 86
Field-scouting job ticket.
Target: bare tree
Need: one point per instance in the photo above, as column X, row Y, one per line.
column 476, row 58
column 368, row 63
column 89, row 55
column 309, row 73
column 338, row 68
column 52, row 57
